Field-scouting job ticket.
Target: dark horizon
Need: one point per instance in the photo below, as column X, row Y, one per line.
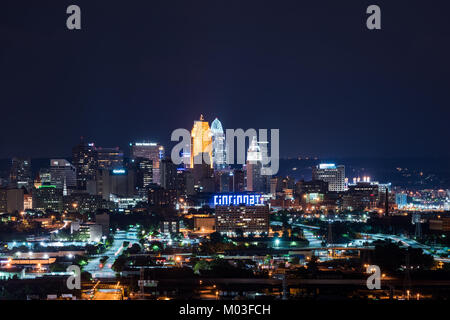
column 314, row 71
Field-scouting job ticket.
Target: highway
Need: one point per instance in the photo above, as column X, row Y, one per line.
column 309, row 235
column 107, row 295
column 93, row 266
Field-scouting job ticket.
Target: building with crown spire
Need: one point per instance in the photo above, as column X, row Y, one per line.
column 218, row 145
column 255, row 181
column 201, row 144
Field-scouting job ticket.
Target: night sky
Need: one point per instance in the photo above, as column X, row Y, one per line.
column 140, row 69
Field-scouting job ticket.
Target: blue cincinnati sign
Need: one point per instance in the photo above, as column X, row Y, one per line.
column 237, row 199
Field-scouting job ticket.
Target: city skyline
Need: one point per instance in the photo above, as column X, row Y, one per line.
column 322, row 89
column 260, row 154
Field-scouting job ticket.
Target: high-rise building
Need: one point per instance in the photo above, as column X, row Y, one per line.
column 203, row 177
column 401, row 200
column 62, row 174
column 224, row 181
column 160, row 197
column 201, row 145
column 48, row 197
column 233, row 220
column 109, row 158
column 334, row 175
column 315, row 186
column 361, row 196
column 238, row 180
column 230, row 180
column 144, row 172
column 20, row 175
column 168, row 174
column 103, row 220
column 85, row 160
column 84, row 203
column 117, row 182
column 3, row 200
column 149, row 150
column 15, row 200
column 218, row 145
column 27, row 201
column 45, row 176
column 256, row 181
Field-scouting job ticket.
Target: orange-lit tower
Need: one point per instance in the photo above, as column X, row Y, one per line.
column 201, row 141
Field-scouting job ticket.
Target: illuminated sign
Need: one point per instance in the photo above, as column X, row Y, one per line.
column 119, row 171
column 47, row 186
column 237, row 199
column 145, row 144
column 327, row 166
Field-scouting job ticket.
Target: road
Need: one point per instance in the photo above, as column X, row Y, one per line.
column 379, row 236
column 107, row 294
column 112, row 253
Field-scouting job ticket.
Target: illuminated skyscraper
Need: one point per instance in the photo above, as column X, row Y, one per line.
column 20, row 174
column 256, row 181
column 201, row 142
column 109, row 158
column 334, row 175
column 218, row 145
column 62, row 172
column 144, row 172
column 85, row 161
column 149, row 150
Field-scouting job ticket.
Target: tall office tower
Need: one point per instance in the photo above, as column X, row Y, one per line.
column 45, row 176
column 48, row 198
column 116, row 182
column 223, row 180
column 62, row 173
column 238, row 180
column 218, row 145
column 255, row 180
column 144, row 172
column 168, row 174
column 109, row 158
column 203, row 176
column 401, row 200
column 20, row 174
column 201, row 145
column 149, row 150
column 361, row 196
column 3, row 200
column 85, row 160
column 334, row 175
column 15, row 200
